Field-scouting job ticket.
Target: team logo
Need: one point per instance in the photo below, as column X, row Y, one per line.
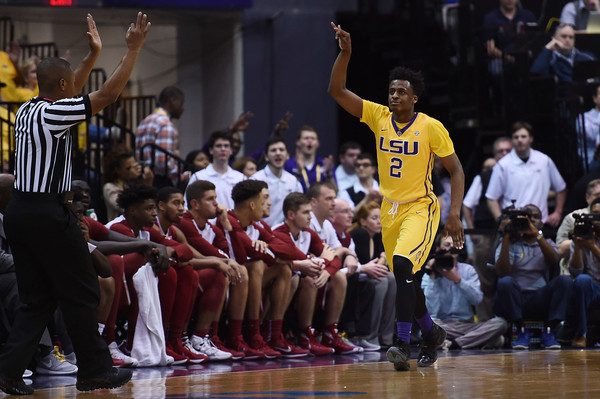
column 399, row 146
column 417, row 133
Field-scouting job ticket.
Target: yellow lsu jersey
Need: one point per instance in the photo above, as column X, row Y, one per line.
column 405, row 152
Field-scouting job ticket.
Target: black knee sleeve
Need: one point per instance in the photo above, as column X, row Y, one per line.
column 405, row 289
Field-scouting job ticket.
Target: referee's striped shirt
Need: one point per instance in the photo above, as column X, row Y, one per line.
column 43, row 143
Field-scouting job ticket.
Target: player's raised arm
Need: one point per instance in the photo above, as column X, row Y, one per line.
column 110, row 90
column 85, row 67
column 337, row 84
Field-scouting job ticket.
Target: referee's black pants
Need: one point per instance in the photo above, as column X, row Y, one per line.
column 53, row 268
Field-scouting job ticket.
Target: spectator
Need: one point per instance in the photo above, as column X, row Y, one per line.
column 584, row 266
column 526, row 263
column 372, row 289
column 306, row 165
column 366, row 188
column 196, row 160
column 219, row 172
column 280, row 181
column 451, row 293
column 245, row 165
column 526, row 175
column 577, row 13
column 120, row 170
column 345, row 173
column 158, row 128
column 559, row 55
column 563, row 236
column 588, row 133
column 25, row 83
column 501, row 27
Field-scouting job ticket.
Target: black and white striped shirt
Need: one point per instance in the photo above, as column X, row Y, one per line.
column 43, row 143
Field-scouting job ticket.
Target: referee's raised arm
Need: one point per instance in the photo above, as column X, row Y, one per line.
column 109, row 92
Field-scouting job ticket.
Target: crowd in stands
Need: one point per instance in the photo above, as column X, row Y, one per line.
column 280, row 254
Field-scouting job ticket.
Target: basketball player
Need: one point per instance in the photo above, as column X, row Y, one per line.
column 407, row 143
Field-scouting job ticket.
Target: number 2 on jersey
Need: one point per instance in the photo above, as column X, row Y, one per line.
column 395, row 166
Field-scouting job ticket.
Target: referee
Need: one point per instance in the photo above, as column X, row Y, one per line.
column 52, row 260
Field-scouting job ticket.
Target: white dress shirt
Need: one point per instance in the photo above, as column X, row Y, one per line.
column 279, row 188
column 223, row 182
column 325, row 231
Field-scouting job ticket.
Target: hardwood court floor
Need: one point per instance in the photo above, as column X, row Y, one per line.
column 525, row 374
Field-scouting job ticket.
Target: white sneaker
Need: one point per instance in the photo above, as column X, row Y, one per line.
column 27, row 373
column 122, row 359
column 71, row 358
column 366, row 345
column 55, row 365
column 206, row 346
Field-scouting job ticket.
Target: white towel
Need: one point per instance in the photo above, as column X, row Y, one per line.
column 149, row 338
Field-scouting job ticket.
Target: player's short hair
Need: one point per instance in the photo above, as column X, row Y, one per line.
column 293, row 202
column 196, row 190
column 164, row 194
column 247, row 189
column 133, row 195
column 314, row 191
column 306, row 128
column 521, row 125
column 349, row 145
column 219, row 135
column 274, row 140
column 415, row 78
column 168, row 94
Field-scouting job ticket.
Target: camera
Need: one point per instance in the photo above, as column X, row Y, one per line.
column 519, row 218
column 584, row 225
column 442, row 260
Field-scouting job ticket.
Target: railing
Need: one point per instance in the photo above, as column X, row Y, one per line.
column 169, row 159
column 136, row 109
column 95, row 80
column 41, row 50
column 7, row 33
column 8, row 110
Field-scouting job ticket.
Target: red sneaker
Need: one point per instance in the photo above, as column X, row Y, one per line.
column 239, row 345
column 308, row 340
column 187, row 351
column 177, row 357
column 286, row 348
column 333, row 340
column 257, row 342
column 235, row 355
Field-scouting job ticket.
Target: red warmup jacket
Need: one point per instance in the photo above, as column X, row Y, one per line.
column 182, row 251
column 218, row 247
column 98, row 231
column 315, row 248
column 241, row 244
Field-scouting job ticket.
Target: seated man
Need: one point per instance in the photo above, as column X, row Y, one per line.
column 559, row 55
column 366, row 189
column 209, row 240
column 317, row 280
column 369, row 311
column 267, row 259
column 451, row 290
column 584, row 265
column 176, row 285
column 214, row 282
column 525, row 264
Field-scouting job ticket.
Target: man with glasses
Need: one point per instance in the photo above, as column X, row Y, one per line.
column 219, row 172
column 366, row 189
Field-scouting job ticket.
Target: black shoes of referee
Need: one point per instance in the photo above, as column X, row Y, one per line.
column 399, row 353
column 113, row 378
column 431, row 343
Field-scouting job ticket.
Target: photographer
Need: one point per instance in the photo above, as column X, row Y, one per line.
column 584, row 266
column 525, row 262
column 451, row 290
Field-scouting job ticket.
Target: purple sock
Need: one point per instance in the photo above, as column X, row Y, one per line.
column 425, row 323
column 403, row 331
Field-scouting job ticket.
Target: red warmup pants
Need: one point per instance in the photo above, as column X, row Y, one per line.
column 118, row 269
column 213, row 284
column 177, row 292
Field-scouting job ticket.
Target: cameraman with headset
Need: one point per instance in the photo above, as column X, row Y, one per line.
column 526, row 263
column 452, row 290
column 584, row 265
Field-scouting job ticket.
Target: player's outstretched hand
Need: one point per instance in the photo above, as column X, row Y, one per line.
column 136, row 34
column 454, row 229
column 342, row 37
column 93, row 36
